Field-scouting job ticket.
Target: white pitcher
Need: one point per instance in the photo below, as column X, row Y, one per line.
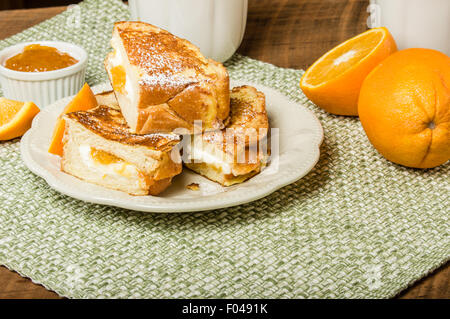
column 414, row 23
column 215, row 26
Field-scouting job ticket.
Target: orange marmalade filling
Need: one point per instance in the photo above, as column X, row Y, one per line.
column 39, row 58
column 118, row 78
column 103, row 157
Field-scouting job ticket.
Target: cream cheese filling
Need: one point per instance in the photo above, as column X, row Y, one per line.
column 118, row 60
column 199, row 154
column 117, row 170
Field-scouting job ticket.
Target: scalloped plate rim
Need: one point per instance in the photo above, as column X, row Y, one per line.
column 188, row 205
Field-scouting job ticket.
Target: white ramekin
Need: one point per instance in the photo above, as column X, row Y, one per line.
column 43, row 88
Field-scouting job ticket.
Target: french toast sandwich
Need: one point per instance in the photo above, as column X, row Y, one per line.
column 163, row 82
column 238, row 152
column 100, row 148
column 107, row 98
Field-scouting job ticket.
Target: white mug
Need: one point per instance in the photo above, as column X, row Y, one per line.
column 215, row 26
column 414, row 23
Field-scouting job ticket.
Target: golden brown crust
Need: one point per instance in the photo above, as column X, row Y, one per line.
column 159, row 186
column 174, row 73
column 225, row 179
column 159, row 118
column 158, row 52
column 241, row 141
column 248, row 119
column 248, row 109
column 110, row 124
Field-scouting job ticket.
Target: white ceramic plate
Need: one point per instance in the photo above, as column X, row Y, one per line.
column 300, row 137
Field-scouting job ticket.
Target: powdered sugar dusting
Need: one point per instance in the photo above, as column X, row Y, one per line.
column 165, row 80
column 161, row 53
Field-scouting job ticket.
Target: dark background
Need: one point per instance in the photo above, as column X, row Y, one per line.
column 22, row 4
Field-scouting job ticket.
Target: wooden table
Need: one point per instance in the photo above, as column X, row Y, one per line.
column 287, row 33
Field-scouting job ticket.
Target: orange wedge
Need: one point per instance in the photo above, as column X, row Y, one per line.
column 83, row 101
column 333, row 82
column 15, row 118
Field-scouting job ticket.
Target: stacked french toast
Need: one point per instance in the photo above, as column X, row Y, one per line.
column 169, row 105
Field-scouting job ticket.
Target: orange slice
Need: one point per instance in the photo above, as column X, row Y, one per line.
column 83, row 101
column 118, row 76
column 333, row 82
column 15, row 118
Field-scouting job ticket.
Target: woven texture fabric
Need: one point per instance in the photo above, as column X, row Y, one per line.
column 356, row 226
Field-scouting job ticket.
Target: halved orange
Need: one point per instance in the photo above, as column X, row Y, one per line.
column 15, row 118
column 333, row 82
column 83, row 101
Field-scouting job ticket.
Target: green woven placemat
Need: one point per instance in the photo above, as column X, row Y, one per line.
column 355, row 226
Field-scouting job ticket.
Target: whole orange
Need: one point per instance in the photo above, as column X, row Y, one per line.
column 15, row 118
column 333, row 82
column 404, row 108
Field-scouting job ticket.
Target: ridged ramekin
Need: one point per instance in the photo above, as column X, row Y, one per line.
column 43, row 88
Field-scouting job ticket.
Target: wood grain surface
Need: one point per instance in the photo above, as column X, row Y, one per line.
column 287, row 33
